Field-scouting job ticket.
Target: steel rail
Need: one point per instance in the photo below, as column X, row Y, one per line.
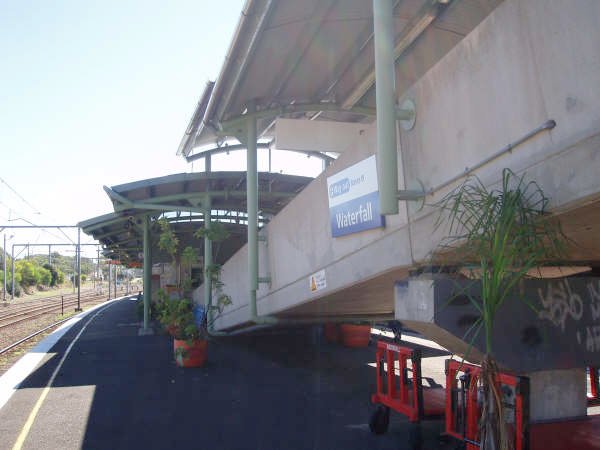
column 25, row 339
column 45, row 309
column 34, row 305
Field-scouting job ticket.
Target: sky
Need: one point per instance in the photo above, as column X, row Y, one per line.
column 98, row 93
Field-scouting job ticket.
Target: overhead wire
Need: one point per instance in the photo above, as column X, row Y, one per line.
column 35, row 210
column 19, row 195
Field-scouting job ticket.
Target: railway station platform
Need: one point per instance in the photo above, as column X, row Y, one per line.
column 102, row 386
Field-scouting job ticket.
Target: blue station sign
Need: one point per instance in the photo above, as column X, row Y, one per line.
column 354, row 199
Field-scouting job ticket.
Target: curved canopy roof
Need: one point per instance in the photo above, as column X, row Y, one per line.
column 314, row 60
column 185, row 196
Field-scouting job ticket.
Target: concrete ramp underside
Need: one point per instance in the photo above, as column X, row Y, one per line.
column 543, row 325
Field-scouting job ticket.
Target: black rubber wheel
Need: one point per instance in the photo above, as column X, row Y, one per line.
column 380, row 420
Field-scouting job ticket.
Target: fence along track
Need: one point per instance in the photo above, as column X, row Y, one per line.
column 49, row 309
column 9, row 307
column 22, row 316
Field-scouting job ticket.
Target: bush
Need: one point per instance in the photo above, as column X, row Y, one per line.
column 18, row 289
column 44, row 276
column 56, row 275
column 28, row 273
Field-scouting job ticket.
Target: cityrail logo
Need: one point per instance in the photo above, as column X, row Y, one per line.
column 339, row 188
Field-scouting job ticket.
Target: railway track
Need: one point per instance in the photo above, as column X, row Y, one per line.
column 20, row 323
column 10, row 319
column 11, row 309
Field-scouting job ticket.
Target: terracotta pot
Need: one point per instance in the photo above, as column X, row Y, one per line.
column 355, row 336
column 190, row 355
column 331, row 332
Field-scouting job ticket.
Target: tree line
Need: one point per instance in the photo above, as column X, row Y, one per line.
column 41, row 271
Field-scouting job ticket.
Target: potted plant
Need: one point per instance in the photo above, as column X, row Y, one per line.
column 190, row 324
column 503, row 233
column 355, row 335
column 189, row 338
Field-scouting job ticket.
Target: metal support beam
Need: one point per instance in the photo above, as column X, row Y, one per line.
column 147, row 276
column 252, row 203
column 385, row 97
column 207, row 263
column 427, row 14
column 12, row 281
column 235, row 126
column 4, row 269
column 78, row 269
column 97, row 276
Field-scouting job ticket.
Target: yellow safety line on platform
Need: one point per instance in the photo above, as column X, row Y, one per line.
column 29, row 423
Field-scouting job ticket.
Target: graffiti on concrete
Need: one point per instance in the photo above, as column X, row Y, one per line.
column 591, row 339
column 594, row 300
column 559, row 303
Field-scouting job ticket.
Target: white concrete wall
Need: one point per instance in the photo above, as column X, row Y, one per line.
column 529, row 61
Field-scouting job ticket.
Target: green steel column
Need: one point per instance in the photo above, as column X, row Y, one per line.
column 147, row 271
column 78, row 270
column 252, row 200
column 4, row 270
column 385, row 97
column 12, row 286
column 207, row 263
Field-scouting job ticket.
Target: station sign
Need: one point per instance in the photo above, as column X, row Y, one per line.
column 354, row 199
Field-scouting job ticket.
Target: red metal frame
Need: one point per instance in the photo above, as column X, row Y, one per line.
column 594, row 399
column 395, row 391
column 468, row 406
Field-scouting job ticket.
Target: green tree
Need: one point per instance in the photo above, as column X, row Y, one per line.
column 53, row 272
column 27, row 271
column 44, row 276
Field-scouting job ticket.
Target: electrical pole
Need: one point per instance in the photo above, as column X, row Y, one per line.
column 4, row 273
column 97, row 267
column 12, row 280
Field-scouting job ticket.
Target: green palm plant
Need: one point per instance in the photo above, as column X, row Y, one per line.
column 505, row 234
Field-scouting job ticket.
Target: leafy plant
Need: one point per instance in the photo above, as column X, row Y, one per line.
column 177, row 317
column 167, row 239
column 504, row 233
column 213, row 271
column 189, row 257
column 216, row 232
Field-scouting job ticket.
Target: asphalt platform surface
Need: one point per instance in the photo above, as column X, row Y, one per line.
column 285, row 389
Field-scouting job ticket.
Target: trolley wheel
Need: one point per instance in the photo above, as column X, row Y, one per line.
column 380, row 420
